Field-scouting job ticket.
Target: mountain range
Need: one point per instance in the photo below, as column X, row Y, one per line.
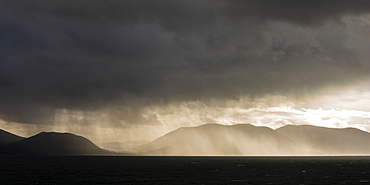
column 204, row 140
column 215, row 139
column 49, row 143
column 331, row 141
column 246, row 139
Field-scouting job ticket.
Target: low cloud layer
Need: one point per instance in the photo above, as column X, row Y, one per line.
column 124, row 56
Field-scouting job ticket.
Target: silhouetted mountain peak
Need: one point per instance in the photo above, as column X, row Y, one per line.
column 54, row 143
column 7, row 138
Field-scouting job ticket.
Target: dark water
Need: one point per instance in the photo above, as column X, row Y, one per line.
column 183, row 170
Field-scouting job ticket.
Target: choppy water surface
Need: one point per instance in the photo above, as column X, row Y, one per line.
column 183, row 170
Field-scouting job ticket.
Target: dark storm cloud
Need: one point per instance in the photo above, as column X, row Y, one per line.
column 190, row 13
column 84, row 55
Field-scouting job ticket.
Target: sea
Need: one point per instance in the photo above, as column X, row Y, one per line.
column 27, row 169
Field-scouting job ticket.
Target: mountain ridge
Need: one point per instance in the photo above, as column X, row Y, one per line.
column 344, row 141
column 216, row 139
column 208, row 140
column 7, row 138
column 54, row 143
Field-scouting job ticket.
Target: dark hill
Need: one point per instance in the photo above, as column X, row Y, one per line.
column 215, row 139
column 7, row 138
column 334, row 141
column 54, row 143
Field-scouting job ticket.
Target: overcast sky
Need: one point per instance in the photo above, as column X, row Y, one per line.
column 69, row 65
